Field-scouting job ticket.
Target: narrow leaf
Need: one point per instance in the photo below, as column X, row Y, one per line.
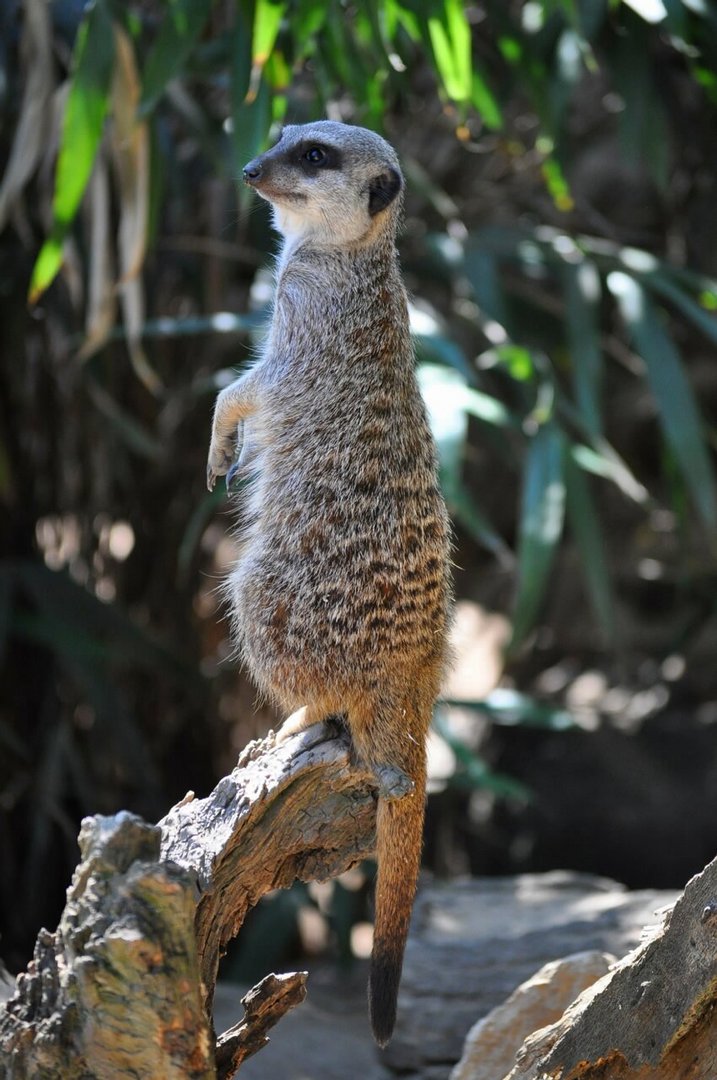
column 267, row 20
column 485, row 102
column 178, row 34
column 582, row 296
column 31, row 130
column 668, row 380
column 705, row 320
column 449, row 402
column 585, row 524
column 101, row 298
column 542, row 516
column 83, row 121
column 450, row 39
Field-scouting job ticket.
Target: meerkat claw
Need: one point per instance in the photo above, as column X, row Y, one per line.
column 231, row 475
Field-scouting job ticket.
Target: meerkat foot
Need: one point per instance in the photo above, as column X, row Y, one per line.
column 393, row 783
column 221, row 458
column 299, row 721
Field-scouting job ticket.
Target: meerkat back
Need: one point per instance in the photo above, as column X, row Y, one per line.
column 340, row 597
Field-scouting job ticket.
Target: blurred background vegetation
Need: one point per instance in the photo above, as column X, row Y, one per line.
column 559, row 249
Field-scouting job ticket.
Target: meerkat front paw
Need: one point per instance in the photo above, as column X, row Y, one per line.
column 221, row 459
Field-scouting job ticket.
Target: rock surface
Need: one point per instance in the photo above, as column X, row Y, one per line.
column 493, row 1042
column 473, row 942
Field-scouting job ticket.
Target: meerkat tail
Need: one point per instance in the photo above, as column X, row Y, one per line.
column 399, row 829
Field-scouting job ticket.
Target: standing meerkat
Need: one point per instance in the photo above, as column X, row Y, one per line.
column 341, row 592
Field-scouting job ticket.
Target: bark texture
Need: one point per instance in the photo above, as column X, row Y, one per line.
column 124, row 986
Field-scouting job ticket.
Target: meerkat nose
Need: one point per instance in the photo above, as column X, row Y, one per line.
column 252, row 172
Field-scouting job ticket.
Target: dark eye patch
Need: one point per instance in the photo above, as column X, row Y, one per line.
column 312, row 157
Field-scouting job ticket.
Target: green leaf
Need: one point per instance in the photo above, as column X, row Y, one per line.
column 600, row 459
column 267, row 20
column 582, row 302
column 542, row 514
column 251, row 122
column 705, row 320
column 178, row 34
column 307, row 20
column 450, row 38
column 82, row 125
column 240, row 40
column 585, row 524
column 509, row 708
column 485, row 102
column 482, row 272
column 668, row 380
column 473, row 771
column 643, row 126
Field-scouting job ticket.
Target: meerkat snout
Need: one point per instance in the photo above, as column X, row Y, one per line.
column 251, row 172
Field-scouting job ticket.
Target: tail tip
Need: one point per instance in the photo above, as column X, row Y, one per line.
column 382, row 998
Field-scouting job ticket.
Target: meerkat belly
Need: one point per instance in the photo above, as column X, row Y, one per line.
column 341, row 582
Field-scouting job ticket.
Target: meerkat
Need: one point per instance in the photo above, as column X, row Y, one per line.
column 340, row 596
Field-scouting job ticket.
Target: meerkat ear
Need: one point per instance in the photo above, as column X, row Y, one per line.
column 382, row 190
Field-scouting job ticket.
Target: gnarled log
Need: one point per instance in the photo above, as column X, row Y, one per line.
column 124, row 987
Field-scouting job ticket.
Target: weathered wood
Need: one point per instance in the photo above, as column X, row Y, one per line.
column 263, row 1007
column 299, row 810
column 115, row 992
column 125, row 985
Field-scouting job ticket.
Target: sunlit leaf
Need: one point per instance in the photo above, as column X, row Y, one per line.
column 267, row 20
column 83, row 122
column 450, row 38
column 449, row 402
column 542, row 513
column 668, row 380
column 652, row 11
column 557, row 184
column 447, row 396
column 602, row 460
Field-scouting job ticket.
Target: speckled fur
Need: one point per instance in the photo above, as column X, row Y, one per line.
column 340, row 596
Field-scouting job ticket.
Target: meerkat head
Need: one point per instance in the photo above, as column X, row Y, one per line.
column 332, row 183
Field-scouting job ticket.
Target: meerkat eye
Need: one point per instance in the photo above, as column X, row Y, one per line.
column 315, row 155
